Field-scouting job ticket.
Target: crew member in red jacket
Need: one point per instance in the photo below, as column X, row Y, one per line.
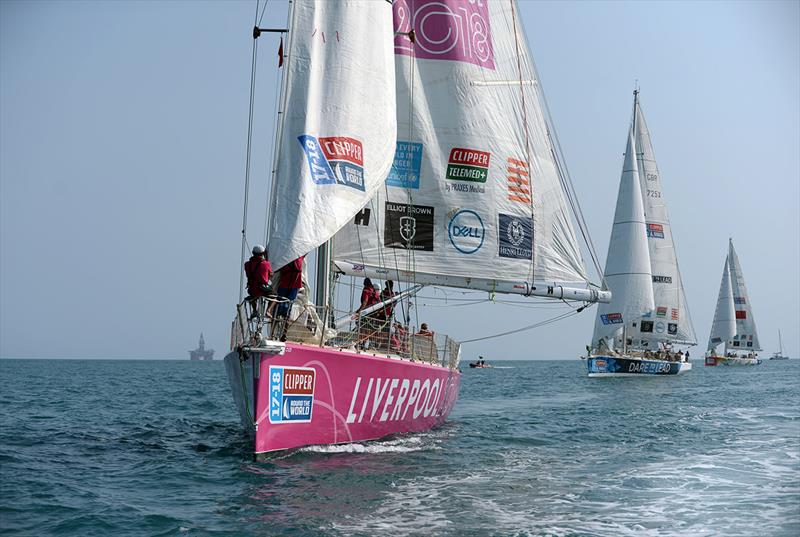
column 258, row 272
column 291, row 281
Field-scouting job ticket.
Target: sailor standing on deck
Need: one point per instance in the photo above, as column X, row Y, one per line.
column 258, row 271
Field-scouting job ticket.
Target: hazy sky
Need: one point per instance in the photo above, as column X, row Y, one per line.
column 122, row 147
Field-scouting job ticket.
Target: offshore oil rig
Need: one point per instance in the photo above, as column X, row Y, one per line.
column 201, row 353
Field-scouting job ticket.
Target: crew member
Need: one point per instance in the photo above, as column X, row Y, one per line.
column 258, row 271
column 290, row 282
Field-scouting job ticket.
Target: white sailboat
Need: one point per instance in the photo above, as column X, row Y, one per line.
column 412, row 146
column 733, row 319
column 778, row 355
column 636, row 332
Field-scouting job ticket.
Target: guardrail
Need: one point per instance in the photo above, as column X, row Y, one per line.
column 256, row 322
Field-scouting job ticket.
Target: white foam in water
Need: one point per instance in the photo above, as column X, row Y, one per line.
column 404, row 444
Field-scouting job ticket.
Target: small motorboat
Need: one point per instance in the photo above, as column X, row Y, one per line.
column 480, row 364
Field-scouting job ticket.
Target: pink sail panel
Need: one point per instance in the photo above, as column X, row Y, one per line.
column 313, row 395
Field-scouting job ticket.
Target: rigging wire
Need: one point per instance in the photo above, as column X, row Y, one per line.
column 247, row 159
column 529, row 327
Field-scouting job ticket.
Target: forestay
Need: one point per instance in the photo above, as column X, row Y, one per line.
column 627, row 271
column 338, row 132
column 670, row 319
column 746, row 338
column 473, row 198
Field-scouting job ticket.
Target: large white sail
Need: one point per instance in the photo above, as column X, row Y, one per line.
column 724, row 326
column 337, row 135
column 746, row 338
column 474, row 197
column 671, row 315
column 627, row 271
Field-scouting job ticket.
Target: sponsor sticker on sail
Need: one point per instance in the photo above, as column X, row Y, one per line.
column 468, row 165
column 675, row 313
column 662, row 279
column 611, row 318
column 741, row 314
column 466, row 231
column 454, row 30
column 515, row 234
column 409, row 227
column 661, row 311
column 291, row 394
column 406, row 166
column 655, row 231
column 518, row 178
column 672, row 329
column 334, row 160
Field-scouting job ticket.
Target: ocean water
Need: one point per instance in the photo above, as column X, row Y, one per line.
column 532, row 448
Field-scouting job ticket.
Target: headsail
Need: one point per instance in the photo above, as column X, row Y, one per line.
column 724, row 326
column 671, row 310
column 474, row 197
column 627, row 269
column 337, row 136
column 746, row 338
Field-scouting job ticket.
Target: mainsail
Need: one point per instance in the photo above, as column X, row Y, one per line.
column 723, row 328
column 746, row 337
column 671, row 310
column 337, row 134
column 627, row 271
column 474, row 197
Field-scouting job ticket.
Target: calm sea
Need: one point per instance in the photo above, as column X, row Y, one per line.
column 532, row 448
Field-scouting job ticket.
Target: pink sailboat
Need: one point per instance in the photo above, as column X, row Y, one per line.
column 412, row 147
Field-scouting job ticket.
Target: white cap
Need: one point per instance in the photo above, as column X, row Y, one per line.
column 258, row 249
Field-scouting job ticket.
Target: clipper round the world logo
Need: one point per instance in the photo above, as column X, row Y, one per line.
column 334, row 160
column 291, row 394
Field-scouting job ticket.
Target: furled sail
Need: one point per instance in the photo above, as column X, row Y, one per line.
column 723, row 329
column 338, row 129
column 474, row 197
column 746, row 337
column 627, row 271
column 671, row 315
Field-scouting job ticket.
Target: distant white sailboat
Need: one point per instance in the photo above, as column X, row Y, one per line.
column 778, row 355
column 647, row 315
column 733, row 320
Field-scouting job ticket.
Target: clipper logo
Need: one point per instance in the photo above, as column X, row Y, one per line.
column 468, row 165
column 291, row 394
column 611, row 318
column 334, row 160
column 661, row 311
column 406, row 165
column 456, row 30
column 741, row 314
column 655, row 231
column 409, row 227
column 515, row 237
column 466, row 231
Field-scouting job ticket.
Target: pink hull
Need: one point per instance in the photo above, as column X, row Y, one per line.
column 312, row 395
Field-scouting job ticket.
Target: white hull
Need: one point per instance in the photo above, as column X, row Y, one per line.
column 738, row 361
